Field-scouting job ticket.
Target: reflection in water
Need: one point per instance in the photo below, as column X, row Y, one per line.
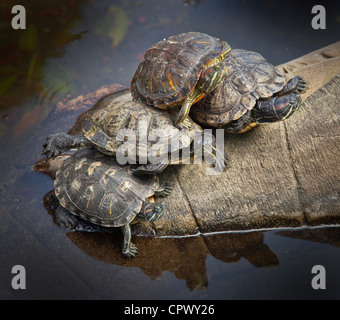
column 26, row 50
column 325, row 235
column 231, row 247
column 192, row 3
column 24, row 54
column 185, row 257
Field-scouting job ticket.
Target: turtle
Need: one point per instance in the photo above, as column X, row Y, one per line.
column 94, row 187
column 138, row 134
column 180, row 70
column 253, row 92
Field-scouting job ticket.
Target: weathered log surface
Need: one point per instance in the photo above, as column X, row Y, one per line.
column 317, row 67
column 284, row 174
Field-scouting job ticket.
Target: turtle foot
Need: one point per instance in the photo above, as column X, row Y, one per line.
column 163, row 190
column 64, row 218
column 185, row 124
column 301, row 85
column 130, row 251
column 56, row 144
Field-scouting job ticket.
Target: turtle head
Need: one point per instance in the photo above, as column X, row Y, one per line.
column 276, row 108
column 152, row 211
column 215, row 70
column 212, row 76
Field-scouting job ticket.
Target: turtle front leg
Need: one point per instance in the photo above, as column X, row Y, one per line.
column 182, row 120
column 129, row 249
column 65, row 219
column 58, row 143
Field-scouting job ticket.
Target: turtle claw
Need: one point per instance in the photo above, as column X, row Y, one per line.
column 185, row 124
column 130, row 251
column 133, row 247
column 56, row 144
column 301, row 85
column 50, row 154
column 149, row 168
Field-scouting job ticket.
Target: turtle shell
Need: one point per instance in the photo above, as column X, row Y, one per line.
column 135, row 129
column 96, row 188
column 170, row 69
column 249, row 78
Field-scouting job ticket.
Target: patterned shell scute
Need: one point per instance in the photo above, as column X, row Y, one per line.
column 132, row 126
column 171, row 68
column 249, row 77
column 96, row 188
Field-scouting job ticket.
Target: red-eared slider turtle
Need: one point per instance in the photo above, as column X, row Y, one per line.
column 253, row 92
column 94, row 187
column 180, row 70
column 137, row 133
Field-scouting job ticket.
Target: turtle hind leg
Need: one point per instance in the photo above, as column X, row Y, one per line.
column 163, row 190
column 58, row 143
column 276, row 108
column 295, row 84
column 129, row 249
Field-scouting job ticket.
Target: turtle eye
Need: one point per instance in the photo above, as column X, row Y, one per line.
column 217, row 68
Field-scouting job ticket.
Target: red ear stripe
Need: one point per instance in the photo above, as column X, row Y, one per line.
column 281, row 105
column 206, row 72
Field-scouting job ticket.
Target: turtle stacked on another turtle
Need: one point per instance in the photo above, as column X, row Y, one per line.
column 180, row 70
column 231, row 89
column 152, row 141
